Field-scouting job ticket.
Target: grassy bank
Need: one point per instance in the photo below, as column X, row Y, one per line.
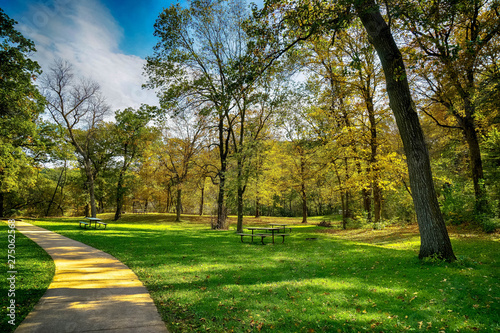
column 344, row 281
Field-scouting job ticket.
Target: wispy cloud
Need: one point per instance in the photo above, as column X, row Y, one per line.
column 86, row 34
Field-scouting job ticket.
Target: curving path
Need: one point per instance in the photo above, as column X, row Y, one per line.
column 91, row 291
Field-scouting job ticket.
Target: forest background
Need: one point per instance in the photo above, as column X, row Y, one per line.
column 281, row 111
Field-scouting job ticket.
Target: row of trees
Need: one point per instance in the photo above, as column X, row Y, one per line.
column 284, row 110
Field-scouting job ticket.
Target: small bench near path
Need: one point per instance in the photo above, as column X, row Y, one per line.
column 91, row 291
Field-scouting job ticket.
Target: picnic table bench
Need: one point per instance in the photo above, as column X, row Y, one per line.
column 85, row 224
column 274, row 232
column 96, row 221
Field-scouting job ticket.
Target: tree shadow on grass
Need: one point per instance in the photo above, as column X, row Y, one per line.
column 201, row 278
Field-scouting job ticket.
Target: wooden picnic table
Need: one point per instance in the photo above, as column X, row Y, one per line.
column 96, row 221
column 267, row 229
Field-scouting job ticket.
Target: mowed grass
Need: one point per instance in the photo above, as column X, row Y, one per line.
column 34, row 271
column 344, row 281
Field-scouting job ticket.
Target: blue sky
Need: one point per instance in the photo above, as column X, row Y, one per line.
column 105, row 40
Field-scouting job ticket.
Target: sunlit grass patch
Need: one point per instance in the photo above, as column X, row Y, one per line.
column 355, row 280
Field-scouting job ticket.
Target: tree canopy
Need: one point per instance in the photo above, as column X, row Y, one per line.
column 367, row 112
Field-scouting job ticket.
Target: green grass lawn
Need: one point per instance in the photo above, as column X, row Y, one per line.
column 35, row 270
column 345, row 281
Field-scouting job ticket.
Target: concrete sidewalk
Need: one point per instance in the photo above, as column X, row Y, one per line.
column 91, row 291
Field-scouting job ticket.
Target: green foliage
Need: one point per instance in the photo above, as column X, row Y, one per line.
column 20, row 107
column 458, row 203
column 491, row 149
column 398, row 207
column 488, row 223
column 20, row 101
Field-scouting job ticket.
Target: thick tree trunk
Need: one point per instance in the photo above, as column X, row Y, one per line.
column 433, row 234
column 119, row 196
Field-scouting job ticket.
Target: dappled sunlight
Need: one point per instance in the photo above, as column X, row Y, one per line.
column 367, row 280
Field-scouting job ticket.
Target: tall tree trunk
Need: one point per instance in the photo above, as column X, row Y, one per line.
column 202, row 200
column 2, row 204
column 433, row 234
column 119, row 196
column 223, row 151
column 303, row 193
column 221, row 208
column 178, row 206
column 344, row 196
column 257, row 205
column 240, row 192
column 239, row 224
column 91, row 187
column 377, row 200
column 476, row 164
column 376, row 191
column 55, row 191
column 367, row 204
column 87, row 209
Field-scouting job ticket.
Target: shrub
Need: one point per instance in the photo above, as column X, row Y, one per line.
column 458, row 205
column 489, row 224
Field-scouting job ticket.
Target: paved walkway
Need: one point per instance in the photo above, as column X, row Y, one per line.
column 91, row 291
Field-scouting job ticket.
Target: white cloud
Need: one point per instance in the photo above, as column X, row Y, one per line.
column 86, row 34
